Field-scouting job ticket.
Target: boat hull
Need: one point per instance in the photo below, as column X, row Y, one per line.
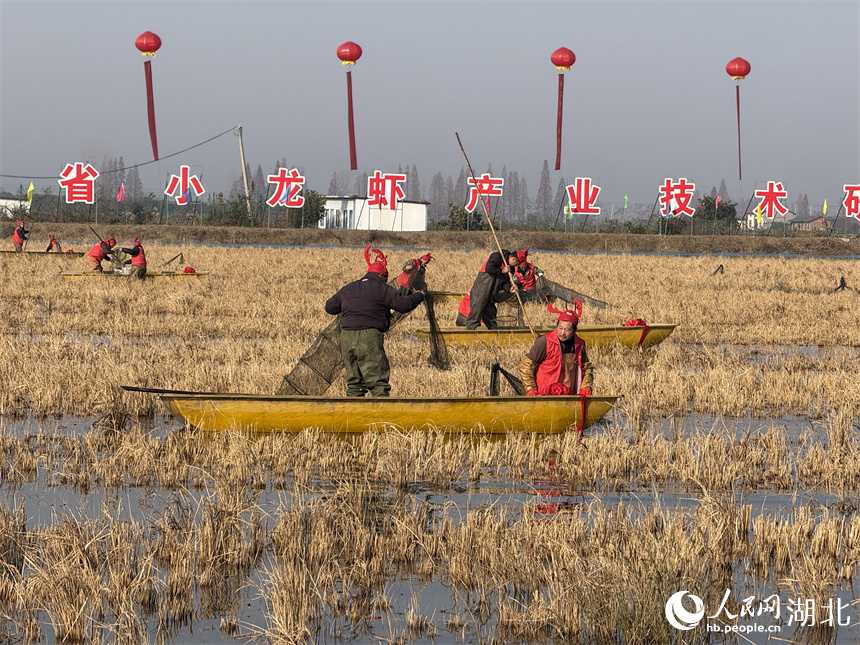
column 150, row 275
column 489, row 415
column 594, row 336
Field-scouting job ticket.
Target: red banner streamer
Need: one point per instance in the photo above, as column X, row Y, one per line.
column 558, row 125
column 738, row 97
column 353, row 163
column 150, row 108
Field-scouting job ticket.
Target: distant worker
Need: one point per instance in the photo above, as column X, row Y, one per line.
column 19, row 236
column 138, row 259
column 525, row 272
column 412, row 276
column 99, row 252
column 53, row 245
column 557, row 362
column 491, row 286
column 365, row 307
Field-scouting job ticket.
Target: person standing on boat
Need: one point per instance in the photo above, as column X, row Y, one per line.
column 19, row 236
column 138, row 259
column 53, row 245
column 557, row 362
column 365, row 308
column 99, row 252
column 491, row 285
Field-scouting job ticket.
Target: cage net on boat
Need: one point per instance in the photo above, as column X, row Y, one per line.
column 511, row 314
column 322, row 363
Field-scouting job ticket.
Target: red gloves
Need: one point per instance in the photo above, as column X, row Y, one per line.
column 586, row 391
column 532, row 393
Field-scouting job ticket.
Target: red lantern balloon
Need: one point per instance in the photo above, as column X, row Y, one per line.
column 563, row 59
column 148, row 43
column 349, row 53
column 738, row 69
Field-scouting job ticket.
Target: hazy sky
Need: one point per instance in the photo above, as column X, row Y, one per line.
column 648, row 97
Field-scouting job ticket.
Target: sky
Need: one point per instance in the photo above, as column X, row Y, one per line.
column 648, row 97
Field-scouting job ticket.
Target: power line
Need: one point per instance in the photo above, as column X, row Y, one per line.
column 145, row 163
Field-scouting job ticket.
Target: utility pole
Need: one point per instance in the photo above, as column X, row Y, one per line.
column 244, row 174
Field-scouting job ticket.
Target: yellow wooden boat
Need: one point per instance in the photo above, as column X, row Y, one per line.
column 594, row 336
column 485, row 414
column 150, row 275
column 62, row 254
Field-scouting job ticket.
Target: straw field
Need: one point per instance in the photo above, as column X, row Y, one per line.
column 321, row 528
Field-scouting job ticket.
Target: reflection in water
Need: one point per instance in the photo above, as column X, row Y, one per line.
column 400, row 536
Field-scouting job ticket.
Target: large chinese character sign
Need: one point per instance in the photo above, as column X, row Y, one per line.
column 79, row 182
column 148, row 43
column 738, row 69
column 349, row 53
column 562, row 58
column 852, row 200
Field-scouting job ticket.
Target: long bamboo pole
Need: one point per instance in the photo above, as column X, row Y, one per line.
column 496, row 237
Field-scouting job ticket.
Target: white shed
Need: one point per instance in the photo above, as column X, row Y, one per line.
column 354, row 213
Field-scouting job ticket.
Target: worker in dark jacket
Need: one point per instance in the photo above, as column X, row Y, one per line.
column 137, row 259
column 19, row 236
column 491, row 285
column 365, row 307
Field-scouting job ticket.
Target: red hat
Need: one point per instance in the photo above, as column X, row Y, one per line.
column 567, row 315
column 112, row 241
column 21, row 221
column 379, row 264
column 136, row 241
column 522, row 255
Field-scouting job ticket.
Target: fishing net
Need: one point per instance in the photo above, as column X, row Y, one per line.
column 438, row 349
column 318, row 367
column 513, row 381
column 545, row 287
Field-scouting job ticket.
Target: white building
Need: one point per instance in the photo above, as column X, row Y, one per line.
column 354, row 213
column 9, row 207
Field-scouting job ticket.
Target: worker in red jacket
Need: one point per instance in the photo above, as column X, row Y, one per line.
column 99, row 252
column 137, row 259
column 19, row 236
column 412, row 276
column 490, row 287
column 557, row 362
column 53, row 245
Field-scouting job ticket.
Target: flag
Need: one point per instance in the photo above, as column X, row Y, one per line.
column 824, row 212
column 671, row 205
column 187, row 195
column 568, row 211
column 758, row 213
column 120, row 195
column 625, row 201
column 30, row 194
column 487, row 204
column 717, row 203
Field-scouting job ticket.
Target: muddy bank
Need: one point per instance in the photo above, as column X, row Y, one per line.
column 550, row 241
